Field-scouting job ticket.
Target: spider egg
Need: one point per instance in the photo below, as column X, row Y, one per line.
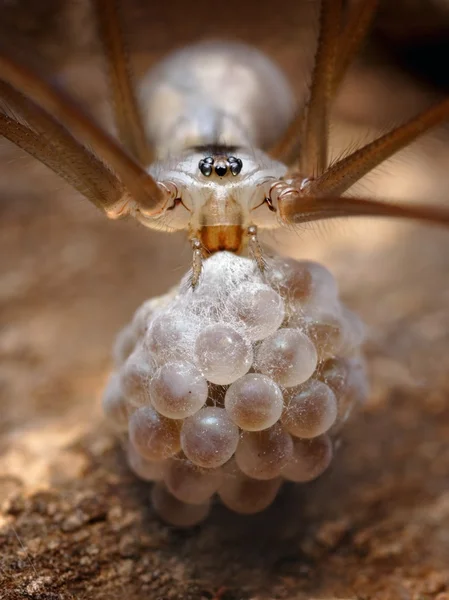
column 324, row 285
column 357, row 381
column 310, row 459
column 209, row 438
column 173, row 511
column 311, row 410
column 124, row 345
column 302, row 281
column 290, row 277
column 259, row 308
column 335, row 330
column 334, row 373
column 254, row 402
column 328, row 334
column 170, row 336
column 355, row 392
column 355, row 331
column 247, row 496
column 222, row 353
column 189, row 483
column 263, row 454
column 178, row 390
column 153, row 436
column 288, row 356
column 114, row 403
column 145, row 314
column 135, row 377
column 149, row 470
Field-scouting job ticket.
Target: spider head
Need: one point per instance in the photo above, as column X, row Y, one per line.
column 219, row 193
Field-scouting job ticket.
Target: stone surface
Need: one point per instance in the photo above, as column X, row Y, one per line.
column 74, row 521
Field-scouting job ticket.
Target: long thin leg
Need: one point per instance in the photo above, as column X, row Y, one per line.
column 37, row 146
column 126, row 111
column 299, row 209
column 349, row 41
column 310, row 127
column 313, row 159
column 39, row 134
column 144, row 189
column 352, row 36
column 343, row 174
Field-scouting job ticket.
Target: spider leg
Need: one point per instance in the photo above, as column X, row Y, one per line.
column 295, row 206
column 126, row 110
column 310, row 127
column 347, row 171
column 40, row 135
column 308, row 131
column 354, row 32
column 148, row 195
column 313, row 158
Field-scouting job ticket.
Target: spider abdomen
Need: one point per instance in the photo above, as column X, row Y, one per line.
column 224, row 93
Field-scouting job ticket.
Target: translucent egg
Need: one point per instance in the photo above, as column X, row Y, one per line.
column 334, row 373
column 324, row 285
column 288, row 356
column 171, row 335
column 149, row 470
column 254, row 402
column 335, row 330
column 311, row 410
column 145, row 314
column 263, row 454
column 153, row 436
column 356, row 391
column 173, row 511
column 209, row 438
column 328, row 332
column 292, row 278
column 357, row 379
column 355, row 331
column 124, row 345
column 189, row 483
column 247, row 496
column 259, row 309
column 135, row 377
column 222, row 353
column 114, row 404
column 178, row 390
column 223, row 268
column 208, row 307
column 310, row 459
column 303, row 281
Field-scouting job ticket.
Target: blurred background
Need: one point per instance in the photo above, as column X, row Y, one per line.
column 70, row 279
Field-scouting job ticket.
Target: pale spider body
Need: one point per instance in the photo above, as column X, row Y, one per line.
column 208, row 108
column 215, row 92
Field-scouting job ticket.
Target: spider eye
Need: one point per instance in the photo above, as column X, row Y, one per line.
column 205, row 166
column 235, row 165
column 221, row 169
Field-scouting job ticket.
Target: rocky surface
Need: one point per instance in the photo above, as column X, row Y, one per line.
column 75, row 523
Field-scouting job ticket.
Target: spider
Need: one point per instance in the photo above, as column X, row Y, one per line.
column 220, row 193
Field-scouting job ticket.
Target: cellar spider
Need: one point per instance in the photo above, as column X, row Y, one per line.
column 221, row 193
